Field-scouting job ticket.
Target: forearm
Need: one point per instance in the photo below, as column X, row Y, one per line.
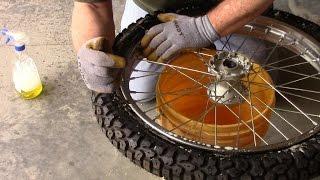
column 91, row 20
column 231, row 15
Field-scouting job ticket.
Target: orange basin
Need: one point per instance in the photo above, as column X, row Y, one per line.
column 187, row 110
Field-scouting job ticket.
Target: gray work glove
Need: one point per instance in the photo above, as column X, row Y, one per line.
column 177, row 33
column 99, row 70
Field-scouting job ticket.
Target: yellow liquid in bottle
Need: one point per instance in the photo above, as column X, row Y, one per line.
column 26, row 79
column 33, row 93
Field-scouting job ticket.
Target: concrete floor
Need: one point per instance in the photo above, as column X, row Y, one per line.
column 55, row 136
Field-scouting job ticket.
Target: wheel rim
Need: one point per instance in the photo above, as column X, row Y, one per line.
column 282, row 121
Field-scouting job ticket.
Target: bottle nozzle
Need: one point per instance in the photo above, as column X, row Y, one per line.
column 12, row 37
column 4, row 31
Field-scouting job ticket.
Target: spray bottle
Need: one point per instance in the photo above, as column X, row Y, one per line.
column 25, row 75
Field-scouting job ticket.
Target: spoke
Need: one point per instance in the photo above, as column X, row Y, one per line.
column 254, row 52
column 314, row 123
column 275, row 127
column 183, row 90
column 286, row 92
column 293, row 72
column 239, row 106
column 307, row 76
column 272, row 51
column 297, row 80
column 267, row 89
column 182, row 93
column 268, row 57
column 172, row 100
column 203, row 54
column 215, row 125
column 256, row 83
column 177, row 98
column 281, row 86
column 227, row 42
column 198, row 53
column 145, row 71
column 157, row 117
column 299, row 89
column 141, row 100
column 215, row 115
column 184, row 74
column 152, row 72
column 167, row 93
column 243, row 122
column 230, row 49
column 242, row 43
column 143, row 76
column 206, row 112
column 192, row 129
column 203, row 118
column 251, row 113
column 292, row 65
column 268, row 48
column 182, row 124
column 178, row 92
column 278, row 114
column 138, row 92
column 260, row 44
column 144, row 100
column 282, row 60
column 253, row 72
column 303, row 97
column 203, row 114
column 297, row 112
column 178, row 67
column 237, row 117
column 239, row 121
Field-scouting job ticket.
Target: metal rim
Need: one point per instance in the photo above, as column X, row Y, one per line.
column 263, row 28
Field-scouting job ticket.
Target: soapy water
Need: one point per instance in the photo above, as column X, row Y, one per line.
column 26, row 79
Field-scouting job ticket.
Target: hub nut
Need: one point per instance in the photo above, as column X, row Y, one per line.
column 229, row 65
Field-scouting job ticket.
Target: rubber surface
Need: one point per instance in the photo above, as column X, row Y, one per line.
column 175, row 161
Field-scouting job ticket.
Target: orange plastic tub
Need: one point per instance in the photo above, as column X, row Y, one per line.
column 188, row 111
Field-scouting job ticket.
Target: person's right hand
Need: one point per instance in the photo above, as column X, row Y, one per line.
column 99, row 70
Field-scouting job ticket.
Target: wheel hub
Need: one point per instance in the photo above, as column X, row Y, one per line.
column 229, row 68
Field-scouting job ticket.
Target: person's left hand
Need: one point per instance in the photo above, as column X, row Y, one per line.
column 177, row 33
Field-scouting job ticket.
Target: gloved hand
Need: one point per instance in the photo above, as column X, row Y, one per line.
column 99, row 70
column 177, row 33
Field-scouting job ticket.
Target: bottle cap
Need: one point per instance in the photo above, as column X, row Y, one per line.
column 20, row 47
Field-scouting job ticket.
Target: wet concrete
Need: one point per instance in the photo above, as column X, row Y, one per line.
column 56, row 136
